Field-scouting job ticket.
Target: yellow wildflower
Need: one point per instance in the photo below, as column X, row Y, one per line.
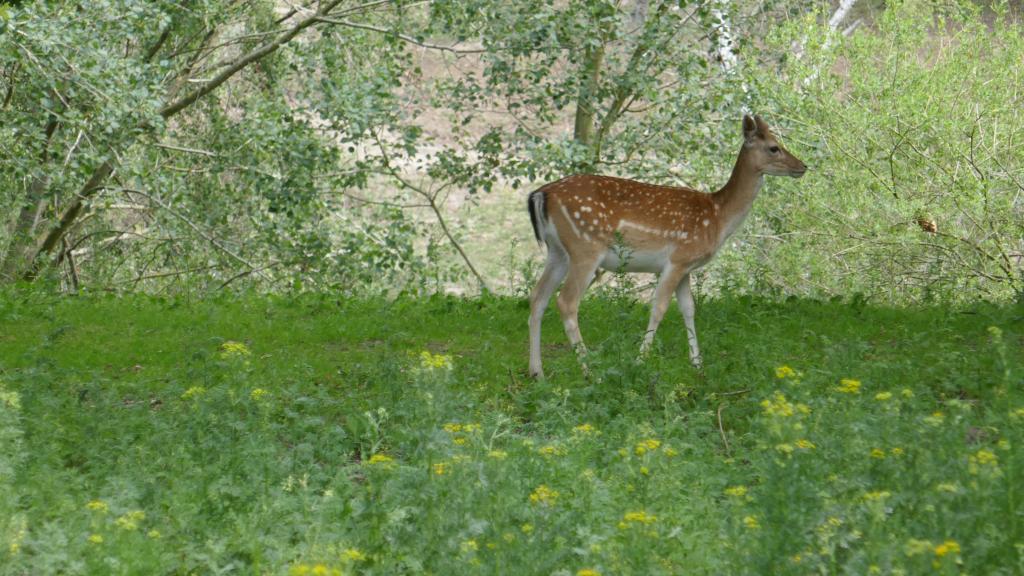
column 645, row 446
column 544, row 495
column 785, row 372
column 985, row 458
column 97, row 505
column 751, row 522
column 193, row 392
column 738, row 491
column 257, row 394
column 232, row 349
column 130, row 520
column 587, row 572
column 878, row 453
column 877, row 495
column 441, row 468
column 95, row 539
column 585, row 429
column 498, row 454
column 914, row 547
column 435, row 361
column 669, row 451
column 777, row 406
column 883, row 396
column 639, row 518
column 551, row 450
column 460, row 441
column 947, row 547
column 805, row 444
column 468, row 546
column 380, row 459
column 907, row 393
column 896, row 451
column 526, row 528
column 849, row 386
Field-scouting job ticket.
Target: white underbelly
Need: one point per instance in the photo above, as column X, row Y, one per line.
column 625, row 259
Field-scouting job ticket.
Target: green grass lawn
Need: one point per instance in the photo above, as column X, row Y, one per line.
column 309, row 435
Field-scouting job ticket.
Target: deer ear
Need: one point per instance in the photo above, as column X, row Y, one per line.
column 762, row 126
column 749, row 128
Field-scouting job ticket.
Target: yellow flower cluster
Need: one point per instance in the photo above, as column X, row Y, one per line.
column 783, row 372
column 876, row 495
column 779, row 406
column 585, row 430
column 441, row 468
column 947, row 547
column 551, row 450
column 645, row 446
column 130, row 520
column 193, row 392
column 738, row 491
column 805, row 444
column 638, row 518
column 232, row 349
column 313, row 570
column 95, row 539
column 383, row 459
column 435, row 361
column 353, row 555
column 97, row 505
column 848, row 386
column 883, row 396
column 454, row 428
column 587, row 572
column 468, row 546
column 751, row 522
column 257, row 394
column 544, row 495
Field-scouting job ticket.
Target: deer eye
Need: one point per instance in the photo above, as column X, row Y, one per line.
column 774, row 149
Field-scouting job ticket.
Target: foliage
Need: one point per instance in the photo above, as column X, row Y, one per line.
column 274, row 435
column 912, row 129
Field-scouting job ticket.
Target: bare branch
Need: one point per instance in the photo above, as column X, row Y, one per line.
column 401, row 36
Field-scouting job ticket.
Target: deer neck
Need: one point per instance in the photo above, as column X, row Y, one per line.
column 737, row 196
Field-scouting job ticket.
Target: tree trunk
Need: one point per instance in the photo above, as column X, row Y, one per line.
column 586, row 101
column 20, row 246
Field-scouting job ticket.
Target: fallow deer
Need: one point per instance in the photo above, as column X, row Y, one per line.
column 589, row 221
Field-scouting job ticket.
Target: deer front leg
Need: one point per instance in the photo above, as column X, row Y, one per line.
column 667, row 283
column 684, row 295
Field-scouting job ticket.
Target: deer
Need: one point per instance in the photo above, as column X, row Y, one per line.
column 589, row 221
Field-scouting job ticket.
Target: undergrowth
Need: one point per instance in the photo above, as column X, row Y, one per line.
column 315, row 435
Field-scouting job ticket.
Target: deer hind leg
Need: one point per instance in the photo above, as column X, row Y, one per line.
column 555, row 268
column 581, row 272
column 684, row 296
column 667, row 283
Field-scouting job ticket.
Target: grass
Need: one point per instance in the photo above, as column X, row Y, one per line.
column 304, row 435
